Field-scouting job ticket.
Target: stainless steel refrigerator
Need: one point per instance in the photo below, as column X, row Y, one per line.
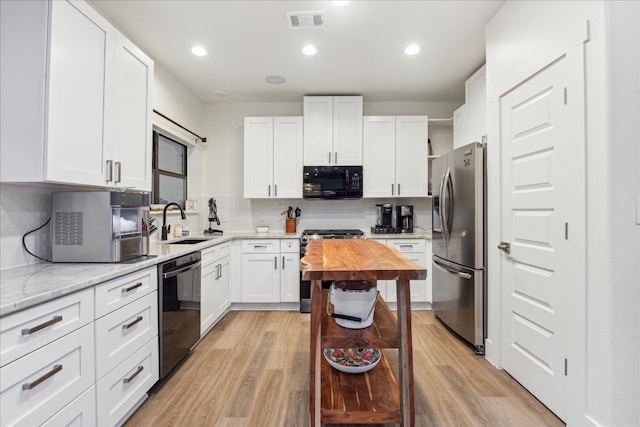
column 459, row 261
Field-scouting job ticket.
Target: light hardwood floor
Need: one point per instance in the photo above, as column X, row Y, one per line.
column 252, row 369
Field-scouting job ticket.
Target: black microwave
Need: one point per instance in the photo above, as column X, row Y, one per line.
column 332, row 182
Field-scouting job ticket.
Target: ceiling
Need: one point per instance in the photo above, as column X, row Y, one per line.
column 360, row 46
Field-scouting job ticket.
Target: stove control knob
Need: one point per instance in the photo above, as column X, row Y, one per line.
column 304, row 239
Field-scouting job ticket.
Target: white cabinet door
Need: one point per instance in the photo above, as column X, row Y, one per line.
column 207, row 297
column 318, row 130
column 290, row 277
column 258, row 157
column 347, row 130
column 460, row 126
column 333, row 130
column 132, row 144
column 221, row 291
column 287, row 157
column 260, row 277
column 476, row 102
column 411, row 156
column 414, row 250
column 395, row 156
column 80, row 72
column 379, row 156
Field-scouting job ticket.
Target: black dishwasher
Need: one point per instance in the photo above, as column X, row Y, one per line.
column 179, row 310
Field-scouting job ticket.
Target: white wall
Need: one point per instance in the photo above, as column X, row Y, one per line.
column 523, row 37
column 223, row 171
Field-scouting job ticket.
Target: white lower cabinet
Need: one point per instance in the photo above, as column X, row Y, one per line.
column 36, row 386
column 414, row 250
column 290, row 272
column 79, row 413
column 214, row 288
column 122, row 388
column 126, row 328
column 270, row 271
column 127, row 353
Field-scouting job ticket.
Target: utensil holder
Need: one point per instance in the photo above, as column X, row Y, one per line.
column 290, row 226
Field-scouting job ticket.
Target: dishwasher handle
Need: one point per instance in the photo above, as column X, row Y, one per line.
column 174, row 273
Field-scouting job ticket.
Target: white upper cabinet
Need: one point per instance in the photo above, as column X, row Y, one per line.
column 60, row 117
column 460, row 126
column 273, row 157
column 132, row 107
column 332, row 130
column 476, row 105
column 395, row 156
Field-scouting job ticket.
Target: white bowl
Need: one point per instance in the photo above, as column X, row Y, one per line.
column 262, row 229
column 352, row 360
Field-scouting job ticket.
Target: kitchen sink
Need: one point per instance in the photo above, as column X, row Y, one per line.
column 188, row 241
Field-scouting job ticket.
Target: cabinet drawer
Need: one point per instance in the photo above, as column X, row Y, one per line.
column 30, row 329
column 407, row 245
column 260, row 246
column 124, row 331
column 81, row 412
column 118, row 292
column 57, row 374
column 121, row 389
column 290, row 245
column 214, row 253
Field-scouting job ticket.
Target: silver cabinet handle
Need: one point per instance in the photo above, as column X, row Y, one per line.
column 269, row 190
column 398, row 189
column 118, row 172
column 128, row 325
column 283, row 262
column 329, row 157
column 135, row 374
column 29, row 331
column 109, row 170
column 260, row 246
column 392, row 189
column 407, row 246
column 220, row 270
column 335, row 157
column 131, row 288
column 275, row 190
column 275, row 262
column 505, row 246
column 55, row 370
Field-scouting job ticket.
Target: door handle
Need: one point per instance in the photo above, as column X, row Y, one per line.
column 505, row 247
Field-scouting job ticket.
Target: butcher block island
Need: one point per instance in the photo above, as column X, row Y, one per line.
column 376, row 396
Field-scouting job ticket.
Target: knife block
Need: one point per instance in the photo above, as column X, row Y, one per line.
column 290, row 226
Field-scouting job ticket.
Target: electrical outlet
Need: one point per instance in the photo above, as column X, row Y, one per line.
column 280, row 205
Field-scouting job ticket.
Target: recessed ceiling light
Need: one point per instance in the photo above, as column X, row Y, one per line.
column 275, row 80
column 309, row 50
column 221, row 93
column 198, row 51
column 412, row 49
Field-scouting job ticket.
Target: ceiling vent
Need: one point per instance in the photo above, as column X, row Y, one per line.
column 305, row 19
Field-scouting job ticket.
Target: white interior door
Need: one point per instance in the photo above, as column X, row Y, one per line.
column 542, row 152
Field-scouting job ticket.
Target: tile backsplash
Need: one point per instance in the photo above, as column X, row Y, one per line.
column 24, row 208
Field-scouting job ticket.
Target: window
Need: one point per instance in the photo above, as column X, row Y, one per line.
column 169, row 171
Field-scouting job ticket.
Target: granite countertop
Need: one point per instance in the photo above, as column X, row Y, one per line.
column 29, row 285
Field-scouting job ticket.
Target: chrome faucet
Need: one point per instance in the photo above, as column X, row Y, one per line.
column 167, row 228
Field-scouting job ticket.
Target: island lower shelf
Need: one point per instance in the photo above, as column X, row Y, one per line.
column 371, row 397
column 368, row 398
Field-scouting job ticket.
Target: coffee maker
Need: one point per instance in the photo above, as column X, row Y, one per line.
column 404, row 218
column 384, row 219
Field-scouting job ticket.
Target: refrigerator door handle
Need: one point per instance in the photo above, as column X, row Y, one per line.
column 460, row 274
column 444, row 204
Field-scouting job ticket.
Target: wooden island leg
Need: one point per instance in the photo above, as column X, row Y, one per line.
column 315, row 352
column 405, row 353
